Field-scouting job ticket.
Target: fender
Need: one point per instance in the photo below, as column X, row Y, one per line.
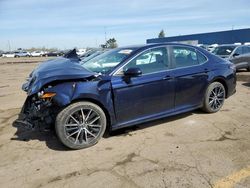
column 69, row 92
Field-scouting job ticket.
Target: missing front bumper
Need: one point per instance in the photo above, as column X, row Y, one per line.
column 36, row 114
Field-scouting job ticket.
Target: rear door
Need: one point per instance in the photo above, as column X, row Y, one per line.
column 191, row 76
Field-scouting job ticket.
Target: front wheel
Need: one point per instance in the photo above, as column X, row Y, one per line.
column 80, row 125
column 214, row 97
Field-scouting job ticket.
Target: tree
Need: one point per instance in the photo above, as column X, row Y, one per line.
column 111, row 43
column 161, row 34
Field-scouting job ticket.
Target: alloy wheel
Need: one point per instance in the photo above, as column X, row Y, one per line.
column 216, row 97
column 83, row 126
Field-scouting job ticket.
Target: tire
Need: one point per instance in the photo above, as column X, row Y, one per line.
column 248, row 69
column 214, row 97
column 77, row 132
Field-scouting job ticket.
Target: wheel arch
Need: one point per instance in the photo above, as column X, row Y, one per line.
column 223, row 82
column 105, row 110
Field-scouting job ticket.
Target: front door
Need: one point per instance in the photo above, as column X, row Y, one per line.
column 145, row 96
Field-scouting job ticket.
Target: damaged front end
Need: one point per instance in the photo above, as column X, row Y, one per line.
column 38, row 112
column 49, row 87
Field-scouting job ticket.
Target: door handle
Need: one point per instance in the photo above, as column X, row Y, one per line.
column 167, row 77
column 206, row 71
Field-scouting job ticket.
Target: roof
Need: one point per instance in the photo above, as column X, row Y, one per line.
column 152, row 45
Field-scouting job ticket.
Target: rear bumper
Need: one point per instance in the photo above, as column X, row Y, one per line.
column 231, row 93
column 231, row 84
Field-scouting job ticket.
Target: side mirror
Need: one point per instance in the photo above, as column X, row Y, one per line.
column 235, row 55
column 133, row 72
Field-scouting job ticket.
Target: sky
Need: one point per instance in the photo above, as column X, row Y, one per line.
column 66, row 24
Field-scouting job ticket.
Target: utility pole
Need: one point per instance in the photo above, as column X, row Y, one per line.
column 105, row 32
column 9, row 45
column 232, row 37
column 96, row 45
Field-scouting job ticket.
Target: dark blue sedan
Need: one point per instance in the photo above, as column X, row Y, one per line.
column 123, row 87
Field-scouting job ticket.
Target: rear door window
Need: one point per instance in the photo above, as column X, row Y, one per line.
column 201, row 58
column 186, row 57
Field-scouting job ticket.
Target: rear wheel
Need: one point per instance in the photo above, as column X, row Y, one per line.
column 214, row 97
column 80, row 125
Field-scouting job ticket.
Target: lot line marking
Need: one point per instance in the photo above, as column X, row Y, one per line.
column 230, row 180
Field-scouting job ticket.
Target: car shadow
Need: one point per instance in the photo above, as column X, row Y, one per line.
column 241, row 70
column 247, row 84
column 52, row 142
column 128, row 130
column 49, row 137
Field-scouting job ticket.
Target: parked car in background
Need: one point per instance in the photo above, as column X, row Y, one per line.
column 81, row 51
column 8, row 54
column 37, row 53
column 22, row 54
column 225, row 51
column 242, row 61
column 210, row 48
column 237, row 54
column 89, row 52
column 121, row 88
column 203, row 46
column 55, row 54
column 85, row 59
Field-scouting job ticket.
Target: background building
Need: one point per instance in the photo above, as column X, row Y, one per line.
column 221, row 37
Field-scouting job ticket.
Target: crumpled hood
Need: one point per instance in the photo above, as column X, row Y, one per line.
column 55, row 70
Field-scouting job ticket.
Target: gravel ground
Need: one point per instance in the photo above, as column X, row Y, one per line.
column 194, row 149
column 10, row 60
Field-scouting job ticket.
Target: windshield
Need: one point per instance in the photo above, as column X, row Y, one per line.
column 107, row 61
column 223, row 50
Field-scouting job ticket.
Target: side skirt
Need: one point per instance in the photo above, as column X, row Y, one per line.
column 152, row 117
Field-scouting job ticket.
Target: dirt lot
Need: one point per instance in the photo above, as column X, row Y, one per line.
column 9, row 60
column 190, row 150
